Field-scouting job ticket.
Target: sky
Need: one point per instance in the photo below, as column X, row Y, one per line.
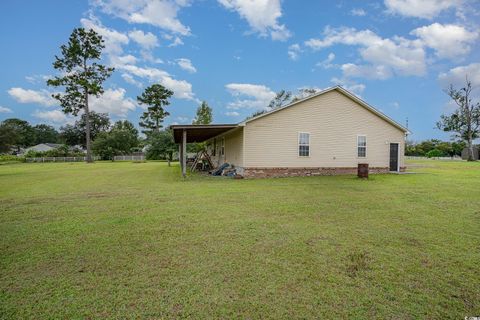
column 398, row 55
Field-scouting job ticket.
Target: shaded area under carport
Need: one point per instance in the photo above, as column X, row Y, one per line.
column 183, row 134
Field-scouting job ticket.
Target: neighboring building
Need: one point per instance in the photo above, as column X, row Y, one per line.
column 475, row 154
column 42, row 147
column 327, row 133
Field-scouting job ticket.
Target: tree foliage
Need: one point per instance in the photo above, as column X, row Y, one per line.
column 15, row 133
column 120, row 140
column 281, row 98
column 303, row 93
column 446, row 149
column 81, row 76
column 20, row 134
column 204, row 114
column 45, row 133
column 155, row 98
column 76, row 134
column 464, row 122
column 162, row 146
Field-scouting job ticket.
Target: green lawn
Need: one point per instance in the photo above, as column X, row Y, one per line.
column 134, row 240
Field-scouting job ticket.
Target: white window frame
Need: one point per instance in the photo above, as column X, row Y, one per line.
column 359, row 146
column 298, row 142
column 222, row 147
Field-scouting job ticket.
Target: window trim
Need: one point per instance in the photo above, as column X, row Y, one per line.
column 222, row 147
column 358, row 146
column 309, row 144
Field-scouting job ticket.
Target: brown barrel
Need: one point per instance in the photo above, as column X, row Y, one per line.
column 362, row 170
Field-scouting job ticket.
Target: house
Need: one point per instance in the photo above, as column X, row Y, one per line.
column 327, row 133
column 42, row 147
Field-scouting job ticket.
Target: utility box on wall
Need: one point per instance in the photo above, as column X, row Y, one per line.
column 362, row 170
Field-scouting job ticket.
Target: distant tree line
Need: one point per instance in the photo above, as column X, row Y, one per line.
column 434, row 148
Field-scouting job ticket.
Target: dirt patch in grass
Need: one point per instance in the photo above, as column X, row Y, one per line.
column 357, row 262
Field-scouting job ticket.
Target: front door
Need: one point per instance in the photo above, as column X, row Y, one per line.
column 393, row 156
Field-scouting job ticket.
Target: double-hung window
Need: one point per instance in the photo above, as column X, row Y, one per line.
column 303, row 144
column 361, row 146
column 222, row 147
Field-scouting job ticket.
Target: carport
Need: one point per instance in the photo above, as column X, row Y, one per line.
column 183, row 134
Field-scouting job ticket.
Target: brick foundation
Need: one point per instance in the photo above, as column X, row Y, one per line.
column 296, row 172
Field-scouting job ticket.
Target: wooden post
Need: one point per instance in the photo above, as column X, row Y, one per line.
column 180, row 155
column 184, row 153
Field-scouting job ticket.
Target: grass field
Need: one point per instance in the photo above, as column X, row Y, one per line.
column 134, row 240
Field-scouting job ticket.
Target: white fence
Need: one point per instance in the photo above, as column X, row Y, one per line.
column 59, row 159
column 433, row 158
column 129, row 158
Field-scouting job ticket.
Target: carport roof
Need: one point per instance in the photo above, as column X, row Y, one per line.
column 200, row 132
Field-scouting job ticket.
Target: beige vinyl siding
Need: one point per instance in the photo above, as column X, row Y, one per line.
column 233, row 148
column 333, row 121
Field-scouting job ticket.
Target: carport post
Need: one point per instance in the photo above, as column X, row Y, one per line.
column 180, row 155
column 184, row 153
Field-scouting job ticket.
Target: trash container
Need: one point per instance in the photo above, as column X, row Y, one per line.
column 362, row 170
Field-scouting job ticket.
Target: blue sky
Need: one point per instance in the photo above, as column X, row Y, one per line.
column 398, row 55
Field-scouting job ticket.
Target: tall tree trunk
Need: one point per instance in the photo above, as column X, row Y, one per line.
column 87, row 129
column 470, row 147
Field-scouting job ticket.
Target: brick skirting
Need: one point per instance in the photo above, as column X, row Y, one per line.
column 296, row 172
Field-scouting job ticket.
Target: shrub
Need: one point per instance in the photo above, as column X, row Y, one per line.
column 10, row 158
column 63, row 151
column 434, row 153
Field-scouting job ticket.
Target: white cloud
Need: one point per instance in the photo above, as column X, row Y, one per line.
column 53, row 116
column 351, row 70
column 129, row 79
column 327, row 63
column 186, row 65
column 176, row 42
column 390, row 56
column 37, row 78
column 294, row 51
column 232, row 113
column 181, row 88
column 261, row 15
column 448, row 41
column 147, row 40
column 159, row 13
column 5, row 110
column 148, row 56
column 182, row 119
column 42, row 97
column 356, row 88
column 457, row 76
column 113, row 101
column 395, row 105
column 118, row 61
column 249, row 96
column 358, row 12
column 114, row 40
column 426, row 9
column 347, row 36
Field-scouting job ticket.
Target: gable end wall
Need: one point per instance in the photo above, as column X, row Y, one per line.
column 333, row 121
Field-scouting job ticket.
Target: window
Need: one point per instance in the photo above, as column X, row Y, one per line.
column 303, row 144
column 222, row 147
column 361, row 146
